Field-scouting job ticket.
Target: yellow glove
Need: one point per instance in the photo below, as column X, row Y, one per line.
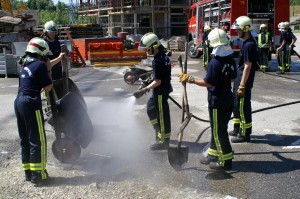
column 241, row 91
column 183, row 78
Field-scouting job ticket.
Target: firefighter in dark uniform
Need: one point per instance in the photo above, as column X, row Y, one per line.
column 279, row 51
column 50, row 31
column 50, row 36
column 264, row 42
column 158, row 107
column 221, row 72
column 244, row 82
column 28, row 109
column 287, row 40
column 206, row 48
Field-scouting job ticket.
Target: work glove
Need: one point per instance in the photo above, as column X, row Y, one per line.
column 241, row 91
column 183, row 78
column 139, row 93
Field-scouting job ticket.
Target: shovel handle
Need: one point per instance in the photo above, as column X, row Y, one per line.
column 185, row 106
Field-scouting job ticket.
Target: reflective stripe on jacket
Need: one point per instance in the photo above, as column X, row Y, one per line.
column 259, row 42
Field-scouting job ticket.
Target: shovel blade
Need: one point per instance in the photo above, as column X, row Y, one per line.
column 178, row 156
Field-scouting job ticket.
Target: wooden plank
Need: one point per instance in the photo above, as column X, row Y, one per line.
column 76, row 49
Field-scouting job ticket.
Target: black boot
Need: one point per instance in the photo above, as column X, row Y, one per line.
column 287, row 70
column 160, row 146
column 235, row 131
column 217, row 167
column 208, row 159
column 27, row 175
column 280, row 72
column 36, row 178
column 241, row 139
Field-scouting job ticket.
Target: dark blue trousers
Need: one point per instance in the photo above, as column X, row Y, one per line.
column 30, row 121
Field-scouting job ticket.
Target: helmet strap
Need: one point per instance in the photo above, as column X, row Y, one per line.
column 154, row 46
column 152, row 50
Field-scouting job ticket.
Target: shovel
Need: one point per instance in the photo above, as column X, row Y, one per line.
column 179, row 155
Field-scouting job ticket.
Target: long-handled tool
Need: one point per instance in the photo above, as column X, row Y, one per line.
column 179, row 155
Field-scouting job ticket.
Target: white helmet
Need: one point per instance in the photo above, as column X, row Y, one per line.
column 281, row 26
column 242, row 23
column 262, row 26
column 217, row 37
column 38, row 46
column 149, row 40
column 287, row 24
column 50, row 26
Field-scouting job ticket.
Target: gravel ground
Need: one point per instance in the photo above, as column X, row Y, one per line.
column 79, row 184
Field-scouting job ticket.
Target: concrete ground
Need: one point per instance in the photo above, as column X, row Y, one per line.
column 118, row 163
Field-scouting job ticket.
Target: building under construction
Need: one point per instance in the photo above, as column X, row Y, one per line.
column 164, row 17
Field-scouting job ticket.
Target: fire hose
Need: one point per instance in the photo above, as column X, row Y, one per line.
column 256, row 111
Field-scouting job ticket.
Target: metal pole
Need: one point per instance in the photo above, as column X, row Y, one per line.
column 4, row 53
column 153, row 16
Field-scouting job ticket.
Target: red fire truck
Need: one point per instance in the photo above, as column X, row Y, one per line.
column 217, row 12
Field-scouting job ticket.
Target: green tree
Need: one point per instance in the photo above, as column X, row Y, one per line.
column 62, row 15
column 59, row 14
column 294, row 2
column 31, row 4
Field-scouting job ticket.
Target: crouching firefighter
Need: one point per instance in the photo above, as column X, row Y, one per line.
column 28, row 109
column 157, row 107
column 220, row 73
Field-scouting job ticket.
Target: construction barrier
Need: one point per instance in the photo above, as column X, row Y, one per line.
column 114, row 51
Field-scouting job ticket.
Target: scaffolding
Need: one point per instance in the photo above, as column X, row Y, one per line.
column 164, row 17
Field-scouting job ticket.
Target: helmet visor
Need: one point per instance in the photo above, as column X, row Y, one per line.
column 142, row 46
column 49, row 53
column 52, row 29
column 235, row 26
column 222, row 51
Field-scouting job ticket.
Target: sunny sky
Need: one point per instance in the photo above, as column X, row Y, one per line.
column 64, row 1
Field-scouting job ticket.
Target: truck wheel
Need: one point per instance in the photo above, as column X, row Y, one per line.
column 66, row 150
column 192, row 50
column 130, row 77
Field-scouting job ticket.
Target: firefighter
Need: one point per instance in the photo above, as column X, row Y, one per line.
column 279, row 53
column 244, row 82
column 28, row 109
column 157, row 107
column 287, row 40
column 226, row 27
column 220, row 73
column 50, row 31
column 264, row 42
column 206, row 49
